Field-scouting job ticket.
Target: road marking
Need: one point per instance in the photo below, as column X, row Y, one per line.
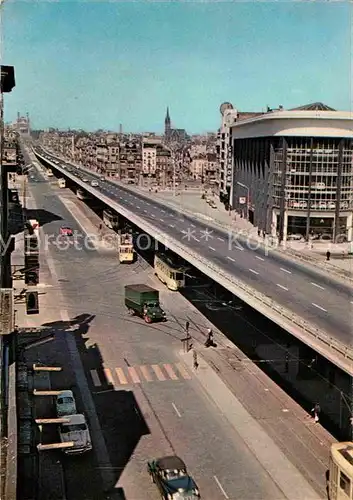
column 230, row 258
column 211, row 248
column 260, row 258
column 108, row 375
column 153, row 216
column 183, row 371
column 157, row 370
column 171, row 225
column 121, row 376
column 133, row 374
column 163, row 211
column 285, row 270
column 147, row 203
column 146, row 373
column 221, row 487
column 283, row 287
column 351, row 301
column 95, row 378
column 192, row 225
column 170, row 372
column 220, row 239
column 252, row 271
column 145, row 211
column 162, row 220
column 138, row 206
column 319, row 307
column 176, row 410
column 318, row 286
column 196, row 239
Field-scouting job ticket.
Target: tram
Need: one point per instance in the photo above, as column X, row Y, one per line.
column 126, row 248
column 168, row 272
column 111, row 219
column 340, row 473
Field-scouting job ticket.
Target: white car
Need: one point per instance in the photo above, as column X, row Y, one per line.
column 94, row 184
column 76, row 431
column 65, row 404
column 85, row 179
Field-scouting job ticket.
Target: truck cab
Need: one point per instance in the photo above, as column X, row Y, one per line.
column 143, row 301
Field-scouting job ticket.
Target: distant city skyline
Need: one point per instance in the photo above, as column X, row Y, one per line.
column 95, row 65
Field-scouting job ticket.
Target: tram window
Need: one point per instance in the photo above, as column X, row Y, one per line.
column 345, row 483
column 179, row 276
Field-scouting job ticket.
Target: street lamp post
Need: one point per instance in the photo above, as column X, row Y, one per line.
column 247, row 197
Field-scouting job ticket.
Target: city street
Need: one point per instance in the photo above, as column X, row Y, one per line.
column 318, row 299
column 141, row 402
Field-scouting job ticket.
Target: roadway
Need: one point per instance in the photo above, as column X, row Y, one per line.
column 146, row 404
column 319, row 299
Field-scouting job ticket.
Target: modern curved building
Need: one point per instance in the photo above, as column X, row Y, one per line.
column 293, row 171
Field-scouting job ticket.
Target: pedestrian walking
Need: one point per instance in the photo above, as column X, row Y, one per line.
column 195, row 363
column 187, row 326
column 316, row 412
column 328, row 255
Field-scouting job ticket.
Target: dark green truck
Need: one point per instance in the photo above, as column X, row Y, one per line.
column 143, row 301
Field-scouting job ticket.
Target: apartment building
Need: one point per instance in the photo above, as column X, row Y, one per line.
column 130, row 160
column 203, row 167
column 293, row 171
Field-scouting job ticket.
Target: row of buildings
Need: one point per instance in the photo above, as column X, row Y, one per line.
column 290, row 172
column 145, row 159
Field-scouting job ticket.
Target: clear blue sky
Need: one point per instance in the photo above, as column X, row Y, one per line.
column 95, row 65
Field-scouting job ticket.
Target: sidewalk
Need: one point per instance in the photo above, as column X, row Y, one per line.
column 49, row 469
column 287, row 442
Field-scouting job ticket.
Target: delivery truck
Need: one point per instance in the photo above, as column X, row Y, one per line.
column 143, row 301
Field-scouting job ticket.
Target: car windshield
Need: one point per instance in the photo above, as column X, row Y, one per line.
column 174, row 474
column 73, row 428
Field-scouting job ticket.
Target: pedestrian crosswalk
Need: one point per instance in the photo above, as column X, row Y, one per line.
column 130, row 375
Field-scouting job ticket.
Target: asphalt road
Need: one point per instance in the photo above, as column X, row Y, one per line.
column 316, row 298
column 146, row 403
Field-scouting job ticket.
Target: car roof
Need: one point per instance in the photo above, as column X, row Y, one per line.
column 76, row 419
column 170, row 463
column 66, row 394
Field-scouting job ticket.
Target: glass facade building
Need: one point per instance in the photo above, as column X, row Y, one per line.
column 295, row 184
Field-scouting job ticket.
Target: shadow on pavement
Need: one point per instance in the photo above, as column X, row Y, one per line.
column 42, row 216
column 120, row 419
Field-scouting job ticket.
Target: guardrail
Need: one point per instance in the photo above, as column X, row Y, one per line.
column 338, row 353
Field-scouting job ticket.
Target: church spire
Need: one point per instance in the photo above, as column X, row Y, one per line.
column 167, row 126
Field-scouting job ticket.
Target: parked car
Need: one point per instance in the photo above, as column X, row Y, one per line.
column 76, row 431
column 172, row 479
column 65, row 404
column 85, row 179
column 94, row 184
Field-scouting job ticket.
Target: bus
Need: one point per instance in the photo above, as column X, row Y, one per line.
column 62, row 183
column 50, row 172
column 111, row 219
column 126, row 248
column 168, row 272
column 340, row 474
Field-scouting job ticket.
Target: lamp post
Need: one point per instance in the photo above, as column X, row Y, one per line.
column 247, row 197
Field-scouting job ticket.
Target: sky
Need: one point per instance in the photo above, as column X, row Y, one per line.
column 94, row 65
